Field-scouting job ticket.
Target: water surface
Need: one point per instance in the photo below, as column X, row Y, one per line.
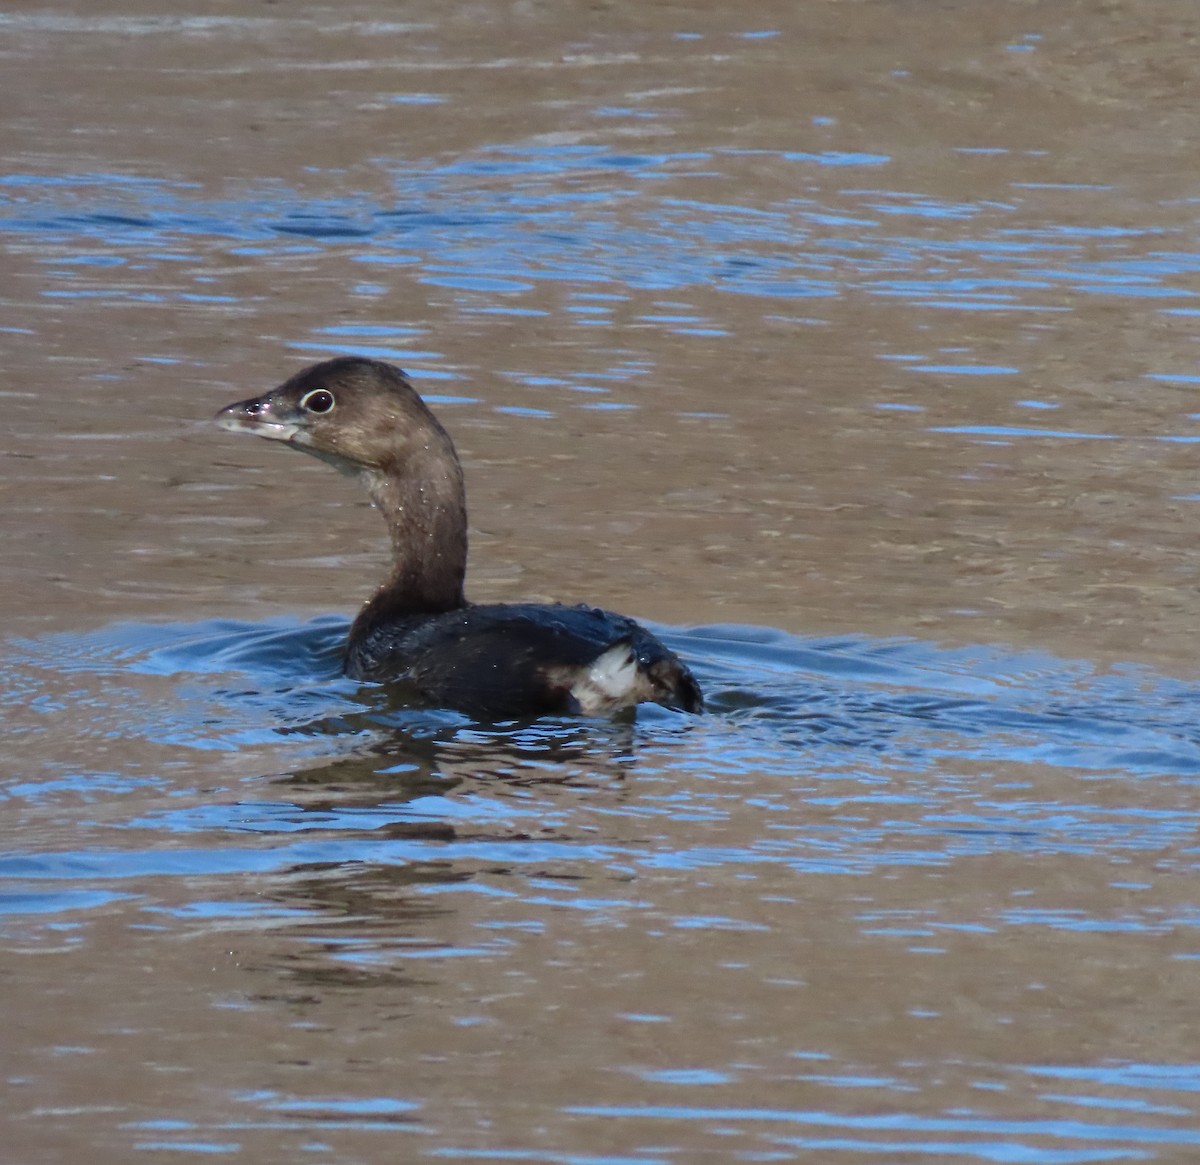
column 851, row 344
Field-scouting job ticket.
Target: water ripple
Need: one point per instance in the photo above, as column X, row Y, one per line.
column 528, row 214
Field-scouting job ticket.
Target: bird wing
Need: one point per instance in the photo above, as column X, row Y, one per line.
column 510, row 660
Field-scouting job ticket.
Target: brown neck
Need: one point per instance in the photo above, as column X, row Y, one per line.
column 425, row 509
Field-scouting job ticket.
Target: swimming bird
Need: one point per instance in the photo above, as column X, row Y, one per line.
column 495, row 661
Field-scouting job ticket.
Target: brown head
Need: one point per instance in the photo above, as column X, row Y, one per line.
column 364, row 418
column 361, row 415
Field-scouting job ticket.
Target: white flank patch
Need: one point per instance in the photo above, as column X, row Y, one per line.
column 610, row 682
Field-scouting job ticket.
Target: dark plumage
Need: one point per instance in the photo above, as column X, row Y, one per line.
column 498, row 661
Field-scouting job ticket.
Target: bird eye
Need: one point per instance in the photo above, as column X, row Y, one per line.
column 320, row 400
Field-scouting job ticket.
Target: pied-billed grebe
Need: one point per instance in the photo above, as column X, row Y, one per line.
column 494, row 660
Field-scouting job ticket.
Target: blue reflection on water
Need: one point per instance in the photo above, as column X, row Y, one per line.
column 836, row 722
column 1008, row 1149
column 854, row 756
column 501, row 220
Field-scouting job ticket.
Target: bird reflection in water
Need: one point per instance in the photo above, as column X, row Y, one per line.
column 459, row 793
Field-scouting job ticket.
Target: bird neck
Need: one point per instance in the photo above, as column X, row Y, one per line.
column 426, row 513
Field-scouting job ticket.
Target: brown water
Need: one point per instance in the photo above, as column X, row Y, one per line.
column 853, row 343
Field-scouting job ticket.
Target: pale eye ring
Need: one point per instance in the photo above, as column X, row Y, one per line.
column 320, row 400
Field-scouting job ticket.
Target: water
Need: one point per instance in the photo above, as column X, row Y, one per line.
column 850, row 345
column 891, row 874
